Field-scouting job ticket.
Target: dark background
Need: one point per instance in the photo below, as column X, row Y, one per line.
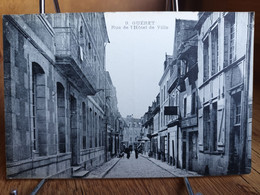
column 245, row 184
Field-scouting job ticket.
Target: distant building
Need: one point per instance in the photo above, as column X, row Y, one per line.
column 179, row 100
column 150, row 128
column 156, row 126
column 163, row 144
column 112, row 118
column 132, row 130
column 188, row 104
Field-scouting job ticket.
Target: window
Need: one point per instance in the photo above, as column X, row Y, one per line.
column 229, row 39
column 184, row 135
column 232, row 43
column 161, row 94
column 61, row 117
column 100, row 131
column 84, row 126
column 237, row 108
column 206, row 128
column 177, row 99
column 103, row 132
column 210, row 128
column 193, row 103
column 183, row 66
column 74, row 130
column 214, row 50
column 164, row 93
column 185, row 107
column 179, row 68
column 206, row 59
column 90, row 128
column 38, row 108
column 96, row 128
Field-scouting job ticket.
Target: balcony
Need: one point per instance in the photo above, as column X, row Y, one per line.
column 71, row 61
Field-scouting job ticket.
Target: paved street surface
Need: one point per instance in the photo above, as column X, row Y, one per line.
column 176, row 171
column 141, row 167
column 134, row 168
column 102, row 170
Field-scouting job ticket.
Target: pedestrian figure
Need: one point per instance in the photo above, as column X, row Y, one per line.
column 127, row 151
column 136, row 153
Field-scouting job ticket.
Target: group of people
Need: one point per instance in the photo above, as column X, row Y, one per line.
column 128, row 150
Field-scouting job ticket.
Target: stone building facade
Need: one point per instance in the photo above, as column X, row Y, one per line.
column 132, row 130
column 150, row 128
column 54, row 66
column 188, row 103
column 113, row 119
column 184, row 30
column 163, row 144
column 206, row 95
column 225, row 54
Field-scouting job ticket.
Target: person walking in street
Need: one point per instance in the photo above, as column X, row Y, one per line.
column 127, row 151
column 136, row 153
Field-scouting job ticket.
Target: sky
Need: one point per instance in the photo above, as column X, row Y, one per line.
column 136, row 53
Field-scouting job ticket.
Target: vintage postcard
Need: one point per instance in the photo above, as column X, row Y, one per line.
column 128, row 94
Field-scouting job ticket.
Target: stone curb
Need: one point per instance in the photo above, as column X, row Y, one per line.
column 158, row 165
column 111, row 167
column 191, row 174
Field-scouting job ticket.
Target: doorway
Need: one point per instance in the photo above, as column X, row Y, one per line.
column 184, row 155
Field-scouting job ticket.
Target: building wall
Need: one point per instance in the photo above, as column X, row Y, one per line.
column 164, row 99
column 63, row 137
column 156, row 122
column 183, row 32
column 220, row 88
column 173, row 148
column 132, row 130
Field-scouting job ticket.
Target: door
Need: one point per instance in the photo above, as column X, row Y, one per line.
column 162, row 146
column 190, row 151
column 173, row 157
column 184, row 155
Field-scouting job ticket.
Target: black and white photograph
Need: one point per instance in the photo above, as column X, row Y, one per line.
column 128, row 94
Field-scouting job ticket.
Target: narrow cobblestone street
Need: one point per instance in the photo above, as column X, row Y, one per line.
column 141, row 167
